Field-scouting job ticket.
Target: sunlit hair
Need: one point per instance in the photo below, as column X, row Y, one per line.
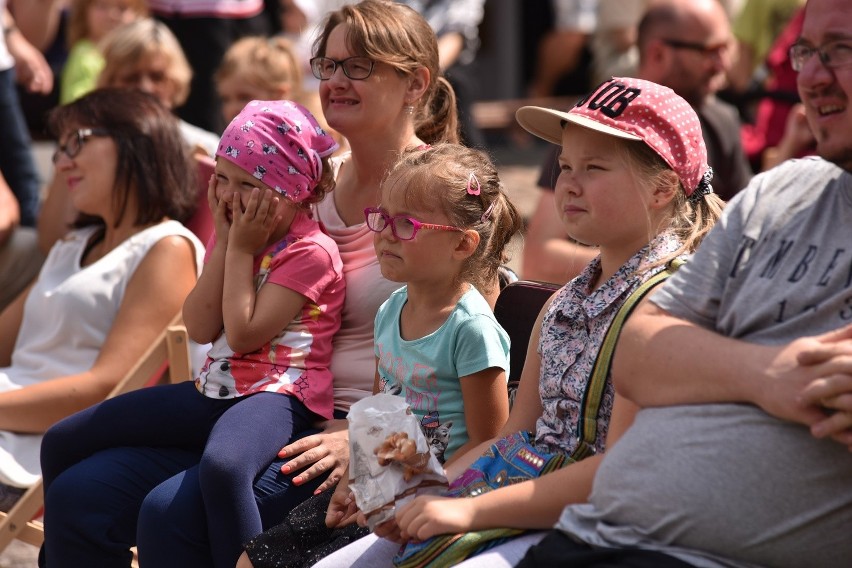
column 438, row 178
column 690, row 220
column 400, row 37
column 126, row 46
column 78, row 18
column 153, row 163
column 324, row 185
column 264, row 62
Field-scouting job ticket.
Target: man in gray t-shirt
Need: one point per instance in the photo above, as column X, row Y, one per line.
column 740, row 455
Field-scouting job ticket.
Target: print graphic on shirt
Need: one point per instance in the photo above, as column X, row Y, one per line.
column 279, row 363
column 436, row 433
column 794, row 263
column 418, row 381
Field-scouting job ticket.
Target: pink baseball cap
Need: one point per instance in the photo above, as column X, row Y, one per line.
column 281, row 144
column 634, row 109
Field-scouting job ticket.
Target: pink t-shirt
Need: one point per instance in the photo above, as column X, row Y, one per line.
column 297, row 360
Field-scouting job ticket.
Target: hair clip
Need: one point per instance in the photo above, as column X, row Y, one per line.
column 487, row 212
column 473, row 187
column 704, row 186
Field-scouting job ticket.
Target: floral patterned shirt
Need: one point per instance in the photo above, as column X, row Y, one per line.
column 572, row 333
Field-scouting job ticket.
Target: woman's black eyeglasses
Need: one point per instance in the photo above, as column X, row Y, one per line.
column 356, row 68
column 74, row 143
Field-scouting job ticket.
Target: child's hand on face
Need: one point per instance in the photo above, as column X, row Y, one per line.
column 219, row 210
column 252, row 228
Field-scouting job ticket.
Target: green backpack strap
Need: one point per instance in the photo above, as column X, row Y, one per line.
column 588, row 422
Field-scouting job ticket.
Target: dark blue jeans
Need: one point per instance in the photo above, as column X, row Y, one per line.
column 16, row 158
column 558, row 550
column 166, row 469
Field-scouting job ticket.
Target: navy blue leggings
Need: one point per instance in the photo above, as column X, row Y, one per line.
column 149, row 459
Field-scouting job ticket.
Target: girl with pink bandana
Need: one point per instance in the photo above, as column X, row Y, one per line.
column 269, row 300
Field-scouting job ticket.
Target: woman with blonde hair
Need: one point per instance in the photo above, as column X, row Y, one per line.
column 257, row 68
column 265, row 69
column 146, row 55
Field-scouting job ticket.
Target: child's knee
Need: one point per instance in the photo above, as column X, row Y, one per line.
column 217, row 471
column 72, row 491
column 54, row 444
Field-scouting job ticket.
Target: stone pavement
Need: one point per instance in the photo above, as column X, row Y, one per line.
column 19, row 555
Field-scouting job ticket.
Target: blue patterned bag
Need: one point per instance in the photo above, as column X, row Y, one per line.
column 511, row 460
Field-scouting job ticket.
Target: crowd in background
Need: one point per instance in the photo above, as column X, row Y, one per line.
column 64, row 63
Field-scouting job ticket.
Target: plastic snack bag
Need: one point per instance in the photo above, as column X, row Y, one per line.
column 390, row 458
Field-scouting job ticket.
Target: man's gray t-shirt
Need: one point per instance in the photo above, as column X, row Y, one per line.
column 727, row 484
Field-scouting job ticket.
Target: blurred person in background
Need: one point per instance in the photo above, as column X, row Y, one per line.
column 687, row 45
column 19, row 180
column 205, row 30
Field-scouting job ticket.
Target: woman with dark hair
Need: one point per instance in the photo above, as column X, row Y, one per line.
column 381, row 88
column 110, row 286
column 142, row 55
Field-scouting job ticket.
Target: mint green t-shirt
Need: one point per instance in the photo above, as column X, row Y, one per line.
column 426, row 371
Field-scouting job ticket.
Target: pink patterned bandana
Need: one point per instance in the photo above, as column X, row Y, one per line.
column 281, row 144
column 635, row 109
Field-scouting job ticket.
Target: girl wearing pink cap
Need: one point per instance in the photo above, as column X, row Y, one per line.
column 269, row 300
column 635, row 183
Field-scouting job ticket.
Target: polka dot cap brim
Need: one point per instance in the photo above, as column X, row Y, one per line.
column 633, row 109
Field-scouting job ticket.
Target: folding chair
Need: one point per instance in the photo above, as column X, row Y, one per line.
column 516, row 309
column 166, row 360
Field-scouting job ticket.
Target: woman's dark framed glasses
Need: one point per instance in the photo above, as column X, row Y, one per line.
column 356, row 68
column 74, row 143
column 403, row 227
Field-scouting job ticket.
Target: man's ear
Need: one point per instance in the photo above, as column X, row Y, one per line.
column 418, row 82
column 467, row 244
column 656, row 54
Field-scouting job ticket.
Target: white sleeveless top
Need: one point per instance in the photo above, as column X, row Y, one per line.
column 67, row 317
column 6, row 61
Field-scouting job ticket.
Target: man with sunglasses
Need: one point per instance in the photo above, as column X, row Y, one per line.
column 741, row 364
column 686, row 45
